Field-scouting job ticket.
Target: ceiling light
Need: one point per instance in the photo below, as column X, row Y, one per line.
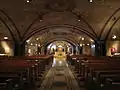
column 114, row 37
column 28, row 1
column 78, row 20
column 28, row 41
column 82, row 38
column 81, row 45
column 40, row 20
column 90, row 0
column 5, row 38
column 91, row 40
column 37, row 38
column 31, row 44
column 88, row 44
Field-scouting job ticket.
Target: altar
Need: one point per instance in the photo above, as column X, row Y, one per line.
column 60, row 55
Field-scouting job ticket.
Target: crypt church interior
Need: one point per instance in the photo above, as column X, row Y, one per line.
column 59, row 44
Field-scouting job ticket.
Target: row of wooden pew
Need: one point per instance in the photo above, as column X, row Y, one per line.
column 21, row 73
column 97, row 73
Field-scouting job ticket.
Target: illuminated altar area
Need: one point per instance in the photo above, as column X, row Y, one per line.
column 60, row 54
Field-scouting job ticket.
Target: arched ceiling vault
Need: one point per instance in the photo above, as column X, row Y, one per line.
column 52, row 35
column 53, row 40
column 77, row 20
column 22, row 20
column 72, row 29
column 70, row 40
column 9, row 25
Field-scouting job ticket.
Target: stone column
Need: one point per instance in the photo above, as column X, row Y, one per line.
column 19, row 49
column 74, row 49
column 81, row 49
column 100, row 48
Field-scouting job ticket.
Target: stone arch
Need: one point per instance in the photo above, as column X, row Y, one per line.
column 9, row 24
column 76, row 30
column 75, row 15
column 109, row 24
column 53, row 40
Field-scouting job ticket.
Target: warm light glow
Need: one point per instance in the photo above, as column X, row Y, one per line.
column 37, row 38
column 5, row 38
column 36, row 60
column 60, row 62
column 3, row 54
column 60, row 46
column 29, row 51
column 114, row 37
column 6, row 47
column 31, row 44
column 81, row 45
column 82, row 38
column 40, row 20
column 77, row 60
column 39, row 45
column 90, row 0
column 78, row 20
column 28, row 1
column 88, row 44
column 91, row 40
column 28, row 41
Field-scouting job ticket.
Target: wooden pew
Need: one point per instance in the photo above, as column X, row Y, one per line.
column 95, row 69
column 28, row 66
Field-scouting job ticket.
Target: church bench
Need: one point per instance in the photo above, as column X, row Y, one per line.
column 29, row 66
column 25, row 71
column 99, row 73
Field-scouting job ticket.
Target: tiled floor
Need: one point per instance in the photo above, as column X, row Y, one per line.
column 59, row 77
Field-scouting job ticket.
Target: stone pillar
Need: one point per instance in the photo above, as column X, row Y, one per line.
column 78, row 49
column 74, row 49
column 100, row 48
column 19, row 49
column 81, row 49
column 42, row 50
column 45, row 50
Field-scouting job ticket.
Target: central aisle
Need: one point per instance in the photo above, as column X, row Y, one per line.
column 59, row 77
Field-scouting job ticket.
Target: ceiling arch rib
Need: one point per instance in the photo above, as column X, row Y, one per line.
column 75, row 16
column 81, row 18
column 8, row 29
column 59, row 38
column 112, row 27
column 78, row 29
column 109, row 24
column 53, row 40
column 10, row 25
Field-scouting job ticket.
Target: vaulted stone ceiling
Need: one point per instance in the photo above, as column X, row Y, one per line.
column 59, row 12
